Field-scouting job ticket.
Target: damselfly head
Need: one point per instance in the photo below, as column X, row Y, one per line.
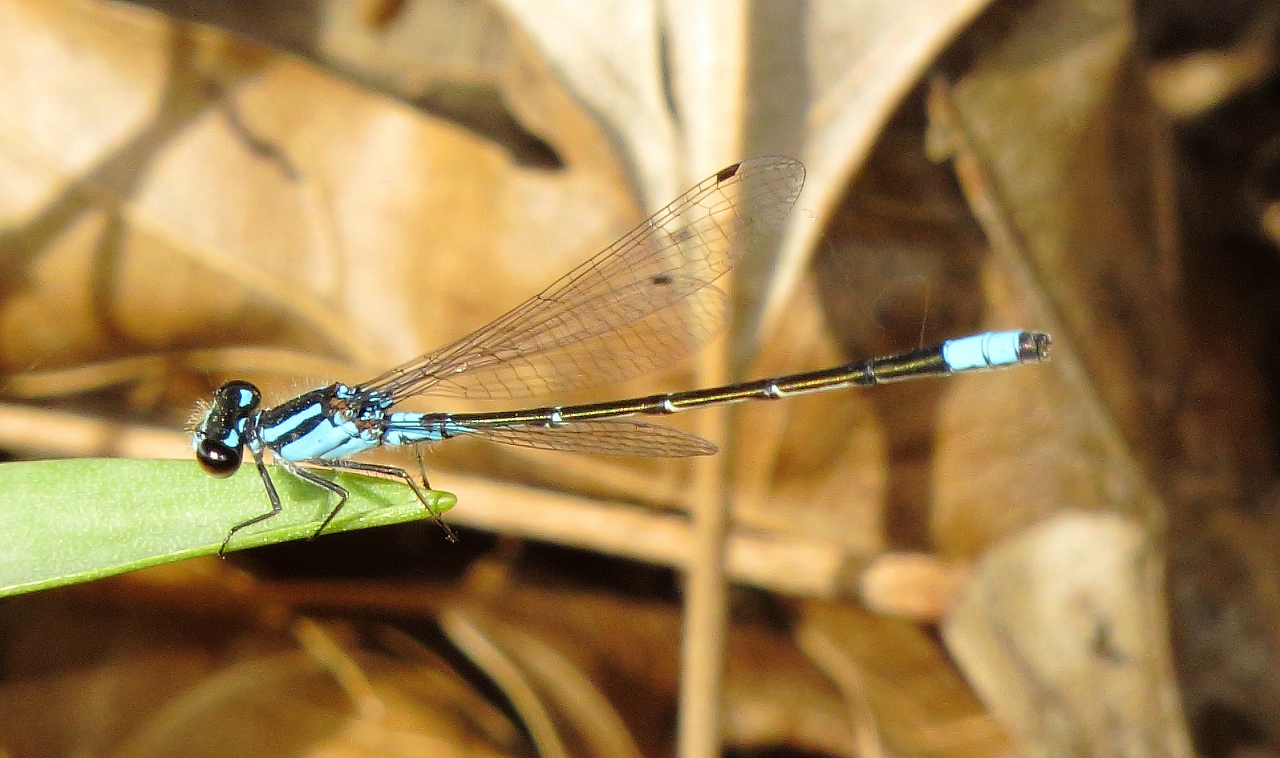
column 219, row 436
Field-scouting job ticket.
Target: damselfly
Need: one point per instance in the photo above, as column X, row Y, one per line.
column 639, row 305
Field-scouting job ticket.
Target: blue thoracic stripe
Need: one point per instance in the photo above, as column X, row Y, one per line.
column 293, row 424
column 986, row 350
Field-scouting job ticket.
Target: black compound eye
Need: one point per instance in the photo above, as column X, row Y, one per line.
column 218, row 459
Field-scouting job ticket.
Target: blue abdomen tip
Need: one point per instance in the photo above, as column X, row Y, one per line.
column 986, row 350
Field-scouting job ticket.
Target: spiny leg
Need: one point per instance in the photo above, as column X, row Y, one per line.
column 274, row 496
column 422, row 472
column 311, row 476
column 271, row 494
column 422, row 467
column 394, row 473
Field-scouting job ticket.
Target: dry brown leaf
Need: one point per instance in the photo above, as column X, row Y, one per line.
column 1062, row 632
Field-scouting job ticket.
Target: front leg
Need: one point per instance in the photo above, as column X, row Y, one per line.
column 271, row 494
column 301, row 473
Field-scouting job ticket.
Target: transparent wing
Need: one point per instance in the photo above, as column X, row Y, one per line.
column 640, row 304
column 609, row 437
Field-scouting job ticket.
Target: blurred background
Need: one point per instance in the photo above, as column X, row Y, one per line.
column 1076, row 558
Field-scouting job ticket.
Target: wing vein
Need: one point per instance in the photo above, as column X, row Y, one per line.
column 636, row 306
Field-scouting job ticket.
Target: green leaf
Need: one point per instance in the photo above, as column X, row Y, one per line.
column 75, row 520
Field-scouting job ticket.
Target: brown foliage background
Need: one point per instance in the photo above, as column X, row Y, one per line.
column 1072, row 559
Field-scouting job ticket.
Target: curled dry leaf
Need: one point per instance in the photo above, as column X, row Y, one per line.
column 1062, row 631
